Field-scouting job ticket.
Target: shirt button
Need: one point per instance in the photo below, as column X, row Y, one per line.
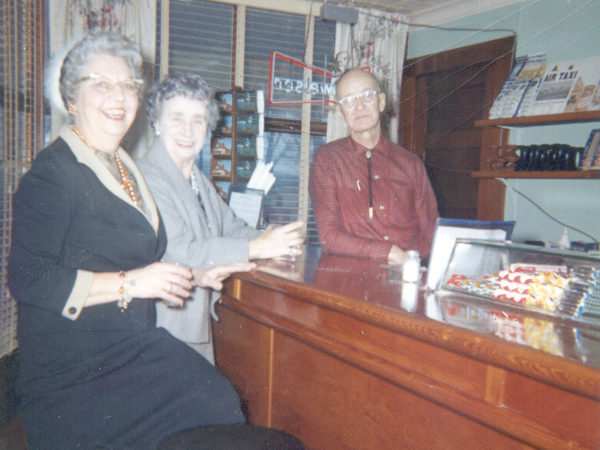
column 385, row 238
column 376, row 177
column 381, row 207
column 72, row 311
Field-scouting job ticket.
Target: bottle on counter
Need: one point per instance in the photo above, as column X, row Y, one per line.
column 411, row 269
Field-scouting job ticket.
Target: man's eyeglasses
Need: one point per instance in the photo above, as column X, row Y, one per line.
column 366, row 97
column 103, row 85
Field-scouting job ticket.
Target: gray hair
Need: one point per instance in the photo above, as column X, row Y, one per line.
column 95, row 44
column 190, row 86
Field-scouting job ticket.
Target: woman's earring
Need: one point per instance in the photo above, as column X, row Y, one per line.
column 157, row 131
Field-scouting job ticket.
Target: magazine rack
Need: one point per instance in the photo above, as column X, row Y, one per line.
column 238, row 138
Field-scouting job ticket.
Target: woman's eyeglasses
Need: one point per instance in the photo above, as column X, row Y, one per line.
column 103, row 85
column 366, row 97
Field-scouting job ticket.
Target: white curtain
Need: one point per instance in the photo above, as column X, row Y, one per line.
column 71, row 19
column 377, row 43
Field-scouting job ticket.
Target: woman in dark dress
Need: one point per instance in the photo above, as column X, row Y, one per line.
column 94, row 369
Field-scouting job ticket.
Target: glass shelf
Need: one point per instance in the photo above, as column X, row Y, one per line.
column 552, row 282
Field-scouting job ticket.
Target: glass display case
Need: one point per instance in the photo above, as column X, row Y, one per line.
column 552, row 282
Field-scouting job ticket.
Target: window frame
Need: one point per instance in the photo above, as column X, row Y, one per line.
column 304, row 126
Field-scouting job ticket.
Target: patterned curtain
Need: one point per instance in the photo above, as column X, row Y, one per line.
column 21, row 127
column 71, row 19
column 376, row 43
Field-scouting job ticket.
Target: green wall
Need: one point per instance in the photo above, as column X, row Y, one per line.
column 564, row 30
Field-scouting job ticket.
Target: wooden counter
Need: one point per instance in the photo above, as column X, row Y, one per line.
column 328, row 349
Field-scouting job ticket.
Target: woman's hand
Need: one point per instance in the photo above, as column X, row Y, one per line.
column 213, row 277
column 169, row 282
column 286, row 240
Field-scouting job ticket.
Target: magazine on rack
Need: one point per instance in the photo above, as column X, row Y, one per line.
column 569, row 86
column 590, row 159
column 520, row 86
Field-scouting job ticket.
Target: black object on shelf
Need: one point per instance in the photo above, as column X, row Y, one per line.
column 547, row 157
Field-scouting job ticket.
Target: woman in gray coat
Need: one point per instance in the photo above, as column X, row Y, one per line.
column 202, row 230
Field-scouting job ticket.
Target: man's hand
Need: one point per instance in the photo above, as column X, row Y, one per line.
column 396, row 255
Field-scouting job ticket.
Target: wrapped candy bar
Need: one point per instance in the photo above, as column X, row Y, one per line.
column 516, row 297
column 539, row 285
column 512, row 286
column 536, row 268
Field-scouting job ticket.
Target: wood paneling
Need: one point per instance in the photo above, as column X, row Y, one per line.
column 330, row 404
column 243, row 351
column 560, row 409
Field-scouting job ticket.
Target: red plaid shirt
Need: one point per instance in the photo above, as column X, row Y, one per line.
column 404, row 206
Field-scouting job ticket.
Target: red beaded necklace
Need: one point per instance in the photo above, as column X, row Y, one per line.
column 126, row 182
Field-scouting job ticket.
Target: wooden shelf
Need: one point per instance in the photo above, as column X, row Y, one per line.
column 550, row 174
column 491, row 193
column 547, row 119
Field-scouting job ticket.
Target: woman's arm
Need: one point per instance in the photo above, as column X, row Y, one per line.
column 169, row 282
column 50, row 264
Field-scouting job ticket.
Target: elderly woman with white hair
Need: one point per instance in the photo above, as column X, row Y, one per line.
column 202, row 230
column 84, row 268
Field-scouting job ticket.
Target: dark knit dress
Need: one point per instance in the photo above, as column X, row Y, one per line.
column 108, row 378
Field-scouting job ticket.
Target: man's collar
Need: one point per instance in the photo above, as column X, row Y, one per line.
column 380, row 147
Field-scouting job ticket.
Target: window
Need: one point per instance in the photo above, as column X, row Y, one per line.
column 202, row 39
column 268, row 31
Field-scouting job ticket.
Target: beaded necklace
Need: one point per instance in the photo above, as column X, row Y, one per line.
column 126, row 182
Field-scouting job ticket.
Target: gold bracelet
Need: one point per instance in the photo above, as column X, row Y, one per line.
column 124, row 296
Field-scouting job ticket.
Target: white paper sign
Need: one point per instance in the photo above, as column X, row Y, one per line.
column 247, row 206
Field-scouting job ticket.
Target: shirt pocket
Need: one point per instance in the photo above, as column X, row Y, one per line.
column 400, row 203
column 353, row 203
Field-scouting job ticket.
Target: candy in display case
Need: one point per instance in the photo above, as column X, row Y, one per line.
column 549, row 281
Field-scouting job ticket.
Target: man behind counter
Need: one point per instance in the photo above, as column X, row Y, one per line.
column 371, row 197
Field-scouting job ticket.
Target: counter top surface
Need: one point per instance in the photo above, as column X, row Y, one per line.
column 375, row 292
column 339, row 352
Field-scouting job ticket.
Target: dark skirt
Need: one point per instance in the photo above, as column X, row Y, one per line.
column 145, row 388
